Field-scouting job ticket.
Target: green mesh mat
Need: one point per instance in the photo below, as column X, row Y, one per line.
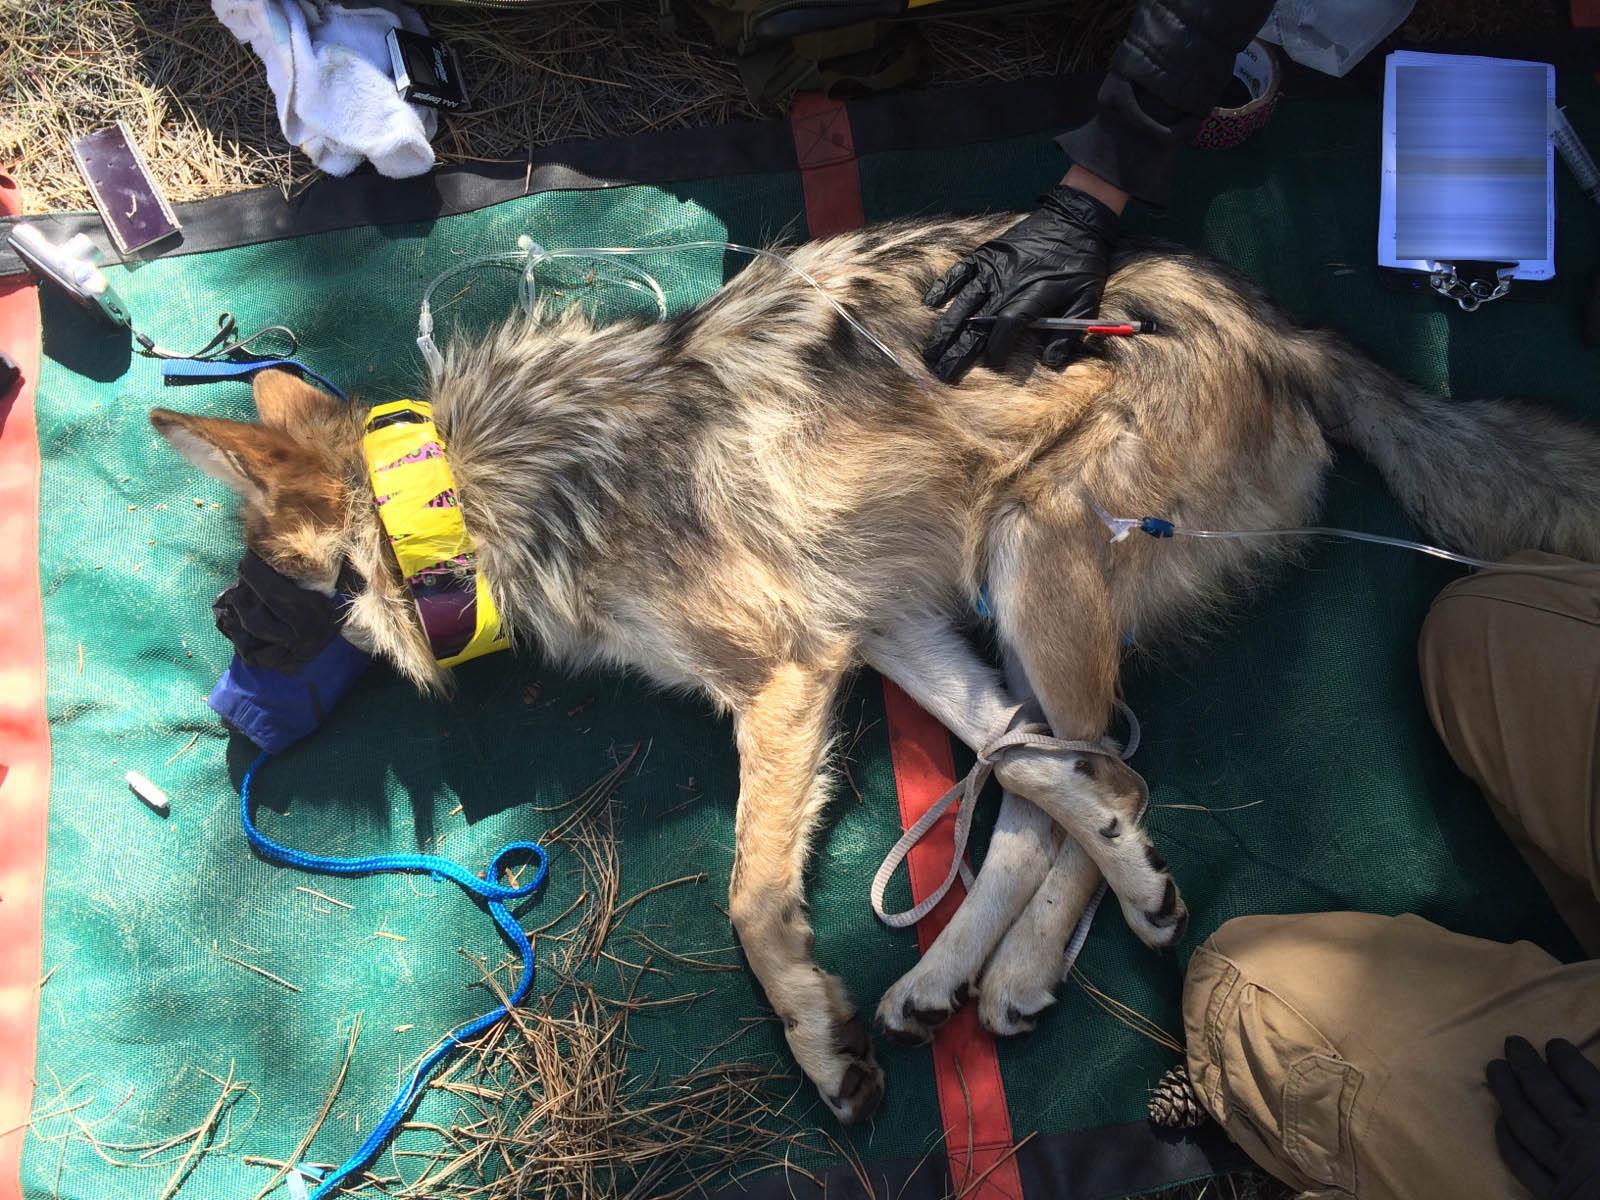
column 1306, row 709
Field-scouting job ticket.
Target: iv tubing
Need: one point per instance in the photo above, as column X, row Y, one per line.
column 530, row 254
column 1158, row 528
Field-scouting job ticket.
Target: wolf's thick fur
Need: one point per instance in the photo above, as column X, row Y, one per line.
column 750, row 499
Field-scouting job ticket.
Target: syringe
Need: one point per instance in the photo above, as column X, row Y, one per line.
column 1574, row 154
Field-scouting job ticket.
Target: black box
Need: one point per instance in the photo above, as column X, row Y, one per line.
column 426, row 71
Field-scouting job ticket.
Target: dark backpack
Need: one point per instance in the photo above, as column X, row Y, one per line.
column 841, row 47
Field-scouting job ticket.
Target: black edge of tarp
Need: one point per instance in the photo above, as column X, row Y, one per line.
column 1086, row 1164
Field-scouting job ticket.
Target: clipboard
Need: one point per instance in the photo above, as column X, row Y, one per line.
column 1467, row 187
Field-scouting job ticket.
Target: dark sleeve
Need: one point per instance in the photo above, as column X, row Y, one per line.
column 1164, row 78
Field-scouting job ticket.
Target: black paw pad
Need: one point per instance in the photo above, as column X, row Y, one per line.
column 1018, row 1021
column 851, row 1037
column 963, row 994
column 1179, row 927
column 1153, row 857
column 929, row 1016
column 907, row 1037
column 860, row 1093
column 1169, row 903
column 854, row 1076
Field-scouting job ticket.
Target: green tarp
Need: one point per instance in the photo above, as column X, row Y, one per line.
column 1301, row 718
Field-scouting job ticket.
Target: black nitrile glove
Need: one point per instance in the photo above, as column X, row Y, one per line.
column 1549, row 1126
column 1052, row 263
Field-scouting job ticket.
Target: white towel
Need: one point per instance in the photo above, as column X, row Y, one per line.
column 328, row 67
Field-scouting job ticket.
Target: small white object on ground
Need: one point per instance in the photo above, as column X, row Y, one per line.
column 148, row 792
column 328, row 66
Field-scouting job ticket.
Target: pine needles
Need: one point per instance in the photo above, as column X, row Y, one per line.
column 552, row 1103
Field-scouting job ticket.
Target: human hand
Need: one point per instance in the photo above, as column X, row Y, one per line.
column 1052, row 263
column 1549, row 1125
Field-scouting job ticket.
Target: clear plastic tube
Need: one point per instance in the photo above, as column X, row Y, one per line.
column 530, row 254
column 539, row 254
column 1351, row 535
column 511, row 259
column 1157, row 528
column 1574, row 153
column 635, row 279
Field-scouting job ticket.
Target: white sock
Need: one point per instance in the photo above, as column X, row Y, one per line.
column 328, row 67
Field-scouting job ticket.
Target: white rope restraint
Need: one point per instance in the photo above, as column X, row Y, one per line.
column 1034, row 735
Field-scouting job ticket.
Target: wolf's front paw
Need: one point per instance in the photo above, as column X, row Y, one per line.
column 1018, row 983
column 923, row 999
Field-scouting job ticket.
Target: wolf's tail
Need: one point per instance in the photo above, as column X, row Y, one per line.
column 1485, row 477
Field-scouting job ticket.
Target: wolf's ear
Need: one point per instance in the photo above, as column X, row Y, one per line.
column 285, row 401
column 253, row 460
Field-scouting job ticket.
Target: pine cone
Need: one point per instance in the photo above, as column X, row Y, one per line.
column 1173, row 1102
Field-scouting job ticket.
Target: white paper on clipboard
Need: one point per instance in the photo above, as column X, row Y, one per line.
column 1468, row 165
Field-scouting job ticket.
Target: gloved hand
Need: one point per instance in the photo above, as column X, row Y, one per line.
column 1549, row 1126
column 1052, row 263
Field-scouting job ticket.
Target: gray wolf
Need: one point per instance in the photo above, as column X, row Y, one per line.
column 751, row 501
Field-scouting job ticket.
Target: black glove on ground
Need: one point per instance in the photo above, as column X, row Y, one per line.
column 1549, row 1126
column 1052, row 263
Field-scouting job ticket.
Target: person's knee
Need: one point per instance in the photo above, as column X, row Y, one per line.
column 1504, row 610
column 1452, row 643
column 1256, row 969
column 1264, row 1057
column 1344, row 1047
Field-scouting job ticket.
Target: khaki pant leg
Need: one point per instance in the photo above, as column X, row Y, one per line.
column 1345, row 1051
column 1511, row 668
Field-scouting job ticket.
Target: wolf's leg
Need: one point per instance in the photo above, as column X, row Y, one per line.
column 782, row 736
column 1020, row 977
column 1054, row 615
column 936, row 667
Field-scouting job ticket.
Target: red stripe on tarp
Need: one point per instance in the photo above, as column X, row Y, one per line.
column 829, row 175
column 972, row 1096
column 24, row 729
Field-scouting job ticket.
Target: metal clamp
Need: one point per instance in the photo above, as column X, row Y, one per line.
column 1469, row 294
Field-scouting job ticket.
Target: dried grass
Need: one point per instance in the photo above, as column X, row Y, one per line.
column 549, row 1107
column 178, row 1155
column 193, row 98
column 197, row 101
column 547, row 1102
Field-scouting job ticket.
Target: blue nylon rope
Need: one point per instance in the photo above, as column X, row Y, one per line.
column 490, row 890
